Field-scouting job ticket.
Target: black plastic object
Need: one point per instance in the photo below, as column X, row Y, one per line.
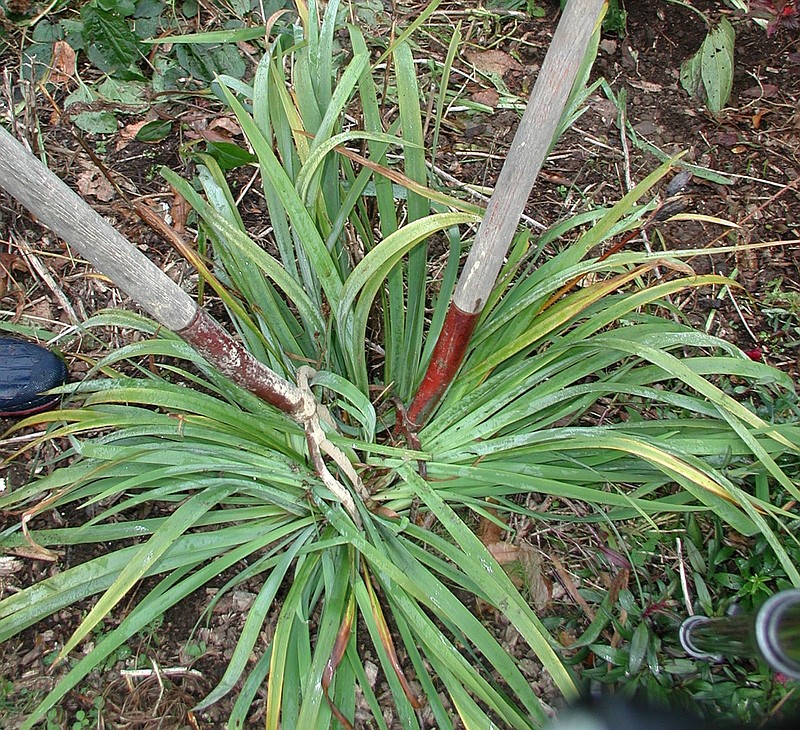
column 26, row 370
column 615, row 713
column 612, row 713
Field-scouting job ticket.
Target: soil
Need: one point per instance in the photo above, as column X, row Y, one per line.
column 751, row 154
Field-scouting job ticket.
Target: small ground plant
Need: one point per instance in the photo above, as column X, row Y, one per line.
column 361, row 526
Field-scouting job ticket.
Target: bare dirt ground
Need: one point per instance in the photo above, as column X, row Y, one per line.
column 753, row 149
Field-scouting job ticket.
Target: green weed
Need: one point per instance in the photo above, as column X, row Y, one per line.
column 340, row 298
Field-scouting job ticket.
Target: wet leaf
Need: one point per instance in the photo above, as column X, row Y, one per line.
column 638, row 648
column 110, row 42
column 154, row 131
column 206, row 63
column 709, row 73
column 229, row 155
column 96, row 122
column 717, row 65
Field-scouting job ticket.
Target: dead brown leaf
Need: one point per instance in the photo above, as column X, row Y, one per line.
column 9, row 566
column 225, row 125
column 128, row 133
column 219, row 129
column 538, row 585
column 525, row 570
column 9, row 263
column 503, row 552
column 762, row 91
column 19, row 6
column 490, row 531
column 571, row 588
column 758, row 116
column 646, row 86
column 42, row 309
column 35, row 552
column 179, row 210
column 92, row 183
column 497, row 62
column 62, row 67
column 489, row 97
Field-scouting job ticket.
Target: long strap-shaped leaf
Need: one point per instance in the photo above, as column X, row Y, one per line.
column 528, row 151
column 72, row 219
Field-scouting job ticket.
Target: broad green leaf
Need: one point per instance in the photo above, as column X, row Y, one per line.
column 638, row 647
column 208, row 63
column 110, row 42
column 154, row 131
column 716, row 65
column 229, row 155
column 96, row 122
column 709, row 72
column 691, row 78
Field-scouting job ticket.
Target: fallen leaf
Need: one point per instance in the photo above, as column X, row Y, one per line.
column 525, row 570
column 762, row 91
column 498, row 62
column 93, row 183
column 647, row 86
column 225, row 125
column 62, row 67
column 758, row 116
column 128, row 133
column 19, row 6
column 41, row 309
column 12, row 261
column 539, row 586
column 607, row 110
column 474, row 130
column 489, row 97
column 503, row 552
column 571, row 588
column 179, row 210
column 608, row 46
column 207, row 134
column 727, row 138
column 490, row 531
column 35, row 552
column 9, row 263
column 9, row 566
